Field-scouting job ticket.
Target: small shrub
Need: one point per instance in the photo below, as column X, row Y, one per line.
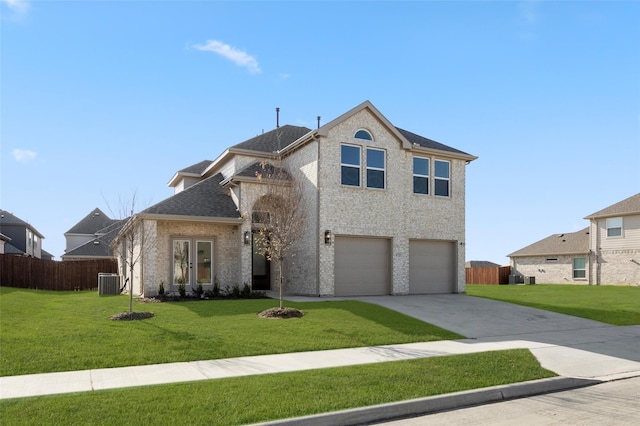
column 216, row 287
column 198, row 291
column 182, row 290
column 161, row 289
column 246, row 291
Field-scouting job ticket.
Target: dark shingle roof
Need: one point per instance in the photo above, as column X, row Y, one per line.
column 205, row 199
column 557, row 244
column 92, row 223
column 100, row 246
column 9, row 219
column 11, row 249
column 274, row 140
column 197, row 168
column 427, row 143
column 627, row 206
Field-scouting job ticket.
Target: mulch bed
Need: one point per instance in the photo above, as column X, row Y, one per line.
column 126, row 316
column 281, row 313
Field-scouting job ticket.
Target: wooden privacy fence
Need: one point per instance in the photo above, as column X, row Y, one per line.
column 29, row 272
column 497, row 275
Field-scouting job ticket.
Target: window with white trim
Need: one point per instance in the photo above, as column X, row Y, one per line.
column 579, row 267
column 614, row 227
column 350, row 165
column 376, row 163
column 420, row 175
column 441, row 178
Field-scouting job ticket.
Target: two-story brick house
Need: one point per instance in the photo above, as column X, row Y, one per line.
column 385, row 213
column 605, row 252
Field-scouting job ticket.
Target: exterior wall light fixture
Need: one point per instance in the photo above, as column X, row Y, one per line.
column 247, row 237
column 327, row 237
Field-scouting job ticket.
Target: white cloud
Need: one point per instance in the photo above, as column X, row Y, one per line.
column 17, row 6
column 238, row 57
column 23, row 155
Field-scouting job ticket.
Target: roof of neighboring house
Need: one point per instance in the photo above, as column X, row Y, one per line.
column 11, row 249
column 557, row 244
column 274, row 140
column 45, row 255
column 92, row 223
column 99, row 246
column 4, row 238
column 480, row 264
column 625, row 207
column 203, row 199
column 8, row 219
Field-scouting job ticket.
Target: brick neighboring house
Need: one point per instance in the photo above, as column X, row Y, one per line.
column 606, row 252
column 386, row 214
column 91, row 237
column 21, row 238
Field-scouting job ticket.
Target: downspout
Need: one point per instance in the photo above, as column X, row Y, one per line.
column 598, row 266
column 318, row 215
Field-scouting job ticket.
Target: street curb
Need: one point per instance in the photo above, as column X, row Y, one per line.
column 433, row 404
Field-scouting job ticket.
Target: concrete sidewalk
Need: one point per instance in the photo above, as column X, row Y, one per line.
column 565, row 361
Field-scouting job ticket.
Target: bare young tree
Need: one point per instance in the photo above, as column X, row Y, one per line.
column 281, row 217
column 131, row 244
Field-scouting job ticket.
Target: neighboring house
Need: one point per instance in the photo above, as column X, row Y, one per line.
column 91, row 237
column 24, row 239
column 606, row 252
column 385, row 214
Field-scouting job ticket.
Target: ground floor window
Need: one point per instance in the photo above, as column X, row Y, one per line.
column 185, row 259
column 579, row 267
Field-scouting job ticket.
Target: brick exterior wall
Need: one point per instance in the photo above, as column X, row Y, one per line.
column 395, row 212
column 560, row 272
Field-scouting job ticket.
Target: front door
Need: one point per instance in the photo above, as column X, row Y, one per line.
column 184, row 260
column 260, row 268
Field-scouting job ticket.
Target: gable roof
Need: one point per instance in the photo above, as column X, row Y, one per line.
column 557, row 244
column 408, row 139
column 205, row 199
column 195, row 170
column 91, row 223
column 625, row 207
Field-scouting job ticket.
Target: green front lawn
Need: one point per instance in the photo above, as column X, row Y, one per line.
column 610, row 304
column 46, row 331
column 276, row 396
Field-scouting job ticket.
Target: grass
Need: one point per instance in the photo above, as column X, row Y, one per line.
column 609, row 304
column 45, row 331
column 277, row 396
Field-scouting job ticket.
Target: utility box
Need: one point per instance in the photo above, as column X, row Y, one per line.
column 108, row 283
column 529, row 280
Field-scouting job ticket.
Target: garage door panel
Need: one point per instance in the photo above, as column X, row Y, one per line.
column 432, row 267
column 362, row 266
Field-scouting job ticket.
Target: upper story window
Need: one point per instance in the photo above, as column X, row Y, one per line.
column 350, row 165
column 363, row 134
column 375, row 168
column 614, row 227
column 420, row 175
column 441, row 178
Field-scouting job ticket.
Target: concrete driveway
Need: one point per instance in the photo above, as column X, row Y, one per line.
column 579, row 347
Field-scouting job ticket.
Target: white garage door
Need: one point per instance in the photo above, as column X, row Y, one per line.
column 362, row 266
column 432, row 267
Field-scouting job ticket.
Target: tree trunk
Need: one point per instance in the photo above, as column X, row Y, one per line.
column 281, row 285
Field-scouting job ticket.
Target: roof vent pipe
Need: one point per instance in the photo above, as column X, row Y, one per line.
column 318, row 122
column 277, row 117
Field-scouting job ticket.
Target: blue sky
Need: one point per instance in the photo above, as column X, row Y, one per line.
column 104, row 99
